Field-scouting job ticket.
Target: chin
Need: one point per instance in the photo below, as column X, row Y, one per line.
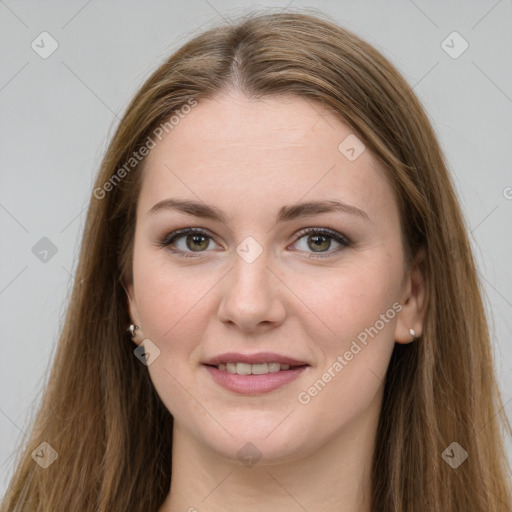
column 253, row 443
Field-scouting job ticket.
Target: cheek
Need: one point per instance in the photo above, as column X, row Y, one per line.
column 170, row 300
column 351, row 298
column 360, row 309
column 358, row 306
column 169, row 306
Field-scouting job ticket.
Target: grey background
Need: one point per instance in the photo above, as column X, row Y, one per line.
column 57, row 115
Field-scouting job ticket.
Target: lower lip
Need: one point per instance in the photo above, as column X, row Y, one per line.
column 254, row 384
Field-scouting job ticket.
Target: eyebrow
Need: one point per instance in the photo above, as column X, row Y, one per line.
column 286, row 213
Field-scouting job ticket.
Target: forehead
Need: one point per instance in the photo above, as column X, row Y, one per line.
column 253, row 155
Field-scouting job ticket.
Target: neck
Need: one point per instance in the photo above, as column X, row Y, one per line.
column 335, row 477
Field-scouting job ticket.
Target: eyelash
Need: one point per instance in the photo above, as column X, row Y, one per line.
column 338, row 237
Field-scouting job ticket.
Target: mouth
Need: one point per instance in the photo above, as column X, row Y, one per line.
column 255, row 368
column 254, row 374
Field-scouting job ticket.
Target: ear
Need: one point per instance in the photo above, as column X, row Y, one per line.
column 134, row 314
column 413, row 301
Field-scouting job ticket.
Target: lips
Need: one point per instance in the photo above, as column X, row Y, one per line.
column 251, row 374
column 258, row 358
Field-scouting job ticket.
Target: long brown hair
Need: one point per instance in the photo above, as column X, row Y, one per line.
column 100, row 411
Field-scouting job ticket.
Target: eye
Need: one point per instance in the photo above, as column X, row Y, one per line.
column 185, row 242
column 194, row 239
column 318, row 239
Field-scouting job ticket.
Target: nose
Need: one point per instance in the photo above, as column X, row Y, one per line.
column 253, row 296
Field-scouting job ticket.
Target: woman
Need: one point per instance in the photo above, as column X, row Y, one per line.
column 275, row 226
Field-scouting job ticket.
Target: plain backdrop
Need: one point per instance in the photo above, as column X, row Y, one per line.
column 58, row 113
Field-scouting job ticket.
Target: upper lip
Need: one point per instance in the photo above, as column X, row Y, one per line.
column 260, row 357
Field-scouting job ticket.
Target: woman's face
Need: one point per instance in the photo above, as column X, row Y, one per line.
column 266, row 280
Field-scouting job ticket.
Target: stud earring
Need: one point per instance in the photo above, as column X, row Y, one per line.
column 412, row 333
column 132, row 330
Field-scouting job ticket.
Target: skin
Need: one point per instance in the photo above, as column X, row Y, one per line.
column 249, row 158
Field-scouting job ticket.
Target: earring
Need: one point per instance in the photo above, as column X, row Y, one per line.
column 132, row 330
column 412, row 333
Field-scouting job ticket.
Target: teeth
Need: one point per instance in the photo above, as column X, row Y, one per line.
column 259, row 369
column 253, row 369
column 274, row 367
column 243, row 368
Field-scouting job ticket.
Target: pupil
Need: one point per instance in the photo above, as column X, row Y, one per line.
column 317, row 242
column 195, row 239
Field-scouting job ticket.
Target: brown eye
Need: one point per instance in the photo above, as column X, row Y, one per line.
column 320, row 241
column 186, row 241
column 197, row 242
